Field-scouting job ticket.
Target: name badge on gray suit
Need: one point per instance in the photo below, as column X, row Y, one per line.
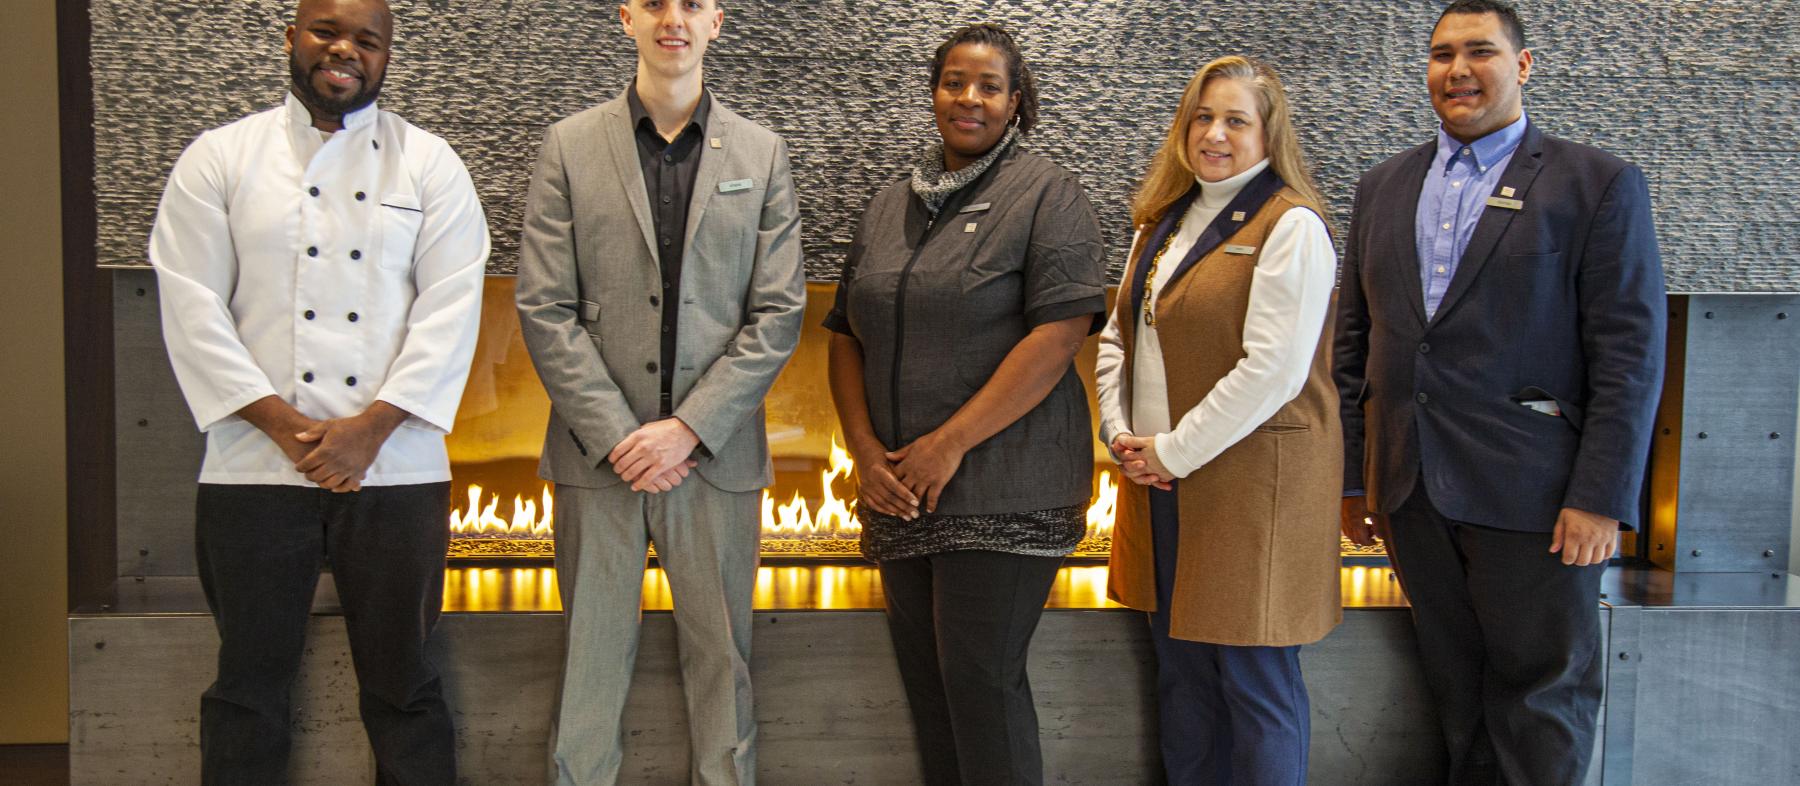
column 735, row 185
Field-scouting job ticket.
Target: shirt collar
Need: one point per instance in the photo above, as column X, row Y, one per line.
column 301, row 117
column 640, row 115
column 1486, row 150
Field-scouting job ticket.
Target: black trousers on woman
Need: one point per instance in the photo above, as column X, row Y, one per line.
column 260, row 551
column 961, row 623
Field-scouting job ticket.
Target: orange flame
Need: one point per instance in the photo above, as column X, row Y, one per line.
column 835, row 516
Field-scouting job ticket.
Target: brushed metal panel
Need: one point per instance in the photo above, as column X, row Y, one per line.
column 1718, row 697
column 159, row 449
column 1702, row 95
column 1741, row 390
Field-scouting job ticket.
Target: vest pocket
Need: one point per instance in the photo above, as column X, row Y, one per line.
column 1282, row 428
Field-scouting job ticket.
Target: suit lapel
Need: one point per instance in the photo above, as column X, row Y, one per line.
column 1140, row 271
column 1403, row 229
column 712, row 162
column 1520, row 172
column 631, row 173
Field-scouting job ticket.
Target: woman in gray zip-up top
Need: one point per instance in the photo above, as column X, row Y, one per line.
column 969, row 287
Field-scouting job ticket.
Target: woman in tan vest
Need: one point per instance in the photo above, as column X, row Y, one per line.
column 1216, row 399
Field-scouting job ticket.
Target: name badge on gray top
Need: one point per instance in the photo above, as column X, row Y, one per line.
column 977, row 207
column 735, row 185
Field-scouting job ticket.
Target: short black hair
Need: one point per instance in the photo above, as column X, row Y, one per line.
column 1018, row 75
column 1509, row 17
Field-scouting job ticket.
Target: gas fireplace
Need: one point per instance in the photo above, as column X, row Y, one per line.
column 503, row 510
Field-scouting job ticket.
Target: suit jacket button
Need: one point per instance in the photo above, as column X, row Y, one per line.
column 1424, row 348
column 650, row 367
column 654, row 300
column 1423, row 398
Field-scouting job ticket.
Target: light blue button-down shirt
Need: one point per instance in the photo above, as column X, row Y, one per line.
column 1457, row 186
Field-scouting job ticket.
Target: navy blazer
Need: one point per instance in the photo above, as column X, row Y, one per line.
column 1561, row 299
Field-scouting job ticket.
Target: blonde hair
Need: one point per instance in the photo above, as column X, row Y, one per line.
column 1171, row 174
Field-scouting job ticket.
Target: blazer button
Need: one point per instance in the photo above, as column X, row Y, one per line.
column 650, row 367
column 307, row 377
column 1423, row 398
column 351, row 381
column 309, row 314
column 653, row 300
column 1424, row 348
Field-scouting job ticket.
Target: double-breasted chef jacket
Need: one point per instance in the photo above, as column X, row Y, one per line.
column 330, row 270
column 937, row 303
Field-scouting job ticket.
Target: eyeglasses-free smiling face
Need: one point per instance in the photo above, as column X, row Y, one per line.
column 337, row 55
column 1226, row 135
column 1476, row 75
column 672, row 35
column 973, row 102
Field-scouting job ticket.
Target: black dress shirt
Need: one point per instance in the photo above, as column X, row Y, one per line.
column 669, row 170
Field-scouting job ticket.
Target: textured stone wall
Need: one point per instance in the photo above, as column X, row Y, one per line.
column 1701, row 94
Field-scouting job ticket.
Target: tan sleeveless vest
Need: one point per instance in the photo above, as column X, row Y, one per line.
column 1258, row 556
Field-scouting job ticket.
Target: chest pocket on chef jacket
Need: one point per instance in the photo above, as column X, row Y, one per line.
column 401, row 217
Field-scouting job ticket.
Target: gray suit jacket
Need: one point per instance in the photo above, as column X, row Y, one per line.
column 589, row 286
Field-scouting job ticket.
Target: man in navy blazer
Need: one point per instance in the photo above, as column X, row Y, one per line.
column 1499, row 358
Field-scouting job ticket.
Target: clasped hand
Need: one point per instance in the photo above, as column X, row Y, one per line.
column 342, row 449
column 1138, row 460
column 908, row 481
column 655, row 457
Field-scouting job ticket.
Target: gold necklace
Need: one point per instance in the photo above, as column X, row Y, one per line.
column 1150, row 277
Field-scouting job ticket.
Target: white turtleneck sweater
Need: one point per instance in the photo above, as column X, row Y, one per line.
column 1290, row 295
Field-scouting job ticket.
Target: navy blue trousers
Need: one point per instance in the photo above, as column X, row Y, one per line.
column 1229, row 715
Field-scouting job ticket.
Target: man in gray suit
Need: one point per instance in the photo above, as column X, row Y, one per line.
column 660, row 292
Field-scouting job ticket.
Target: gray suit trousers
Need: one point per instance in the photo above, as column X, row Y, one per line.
column 706, row 542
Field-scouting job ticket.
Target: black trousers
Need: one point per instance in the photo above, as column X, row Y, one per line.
column 260, row 551
column 961, row 623
column 1510, row 639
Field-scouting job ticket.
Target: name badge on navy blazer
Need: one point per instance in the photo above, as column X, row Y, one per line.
column 729, row 186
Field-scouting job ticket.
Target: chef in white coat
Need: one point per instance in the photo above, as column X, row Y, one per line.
column 320, row 267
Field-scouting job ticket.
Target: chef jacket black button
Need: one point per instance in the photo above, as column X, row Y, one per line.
column 312, row 251
column 314, row 191
column 1424, row 348
column 1423, row 398
column 355, row 254
column 665, row 242
column 665, row 328
column 360, row 196
column 309, row 313
column 307, row 377
column 665, row 199
column 351, row 381
column 650, row 367
column 377, row 144
column 653, row 300
column 669, row 159
column 665, row 285
column 353, row 316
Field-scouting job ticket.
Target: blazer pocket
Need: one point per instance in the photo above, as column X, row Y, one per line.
column 1571, row 413
column 1535, row 258
column 590, row 312
column 401, row 217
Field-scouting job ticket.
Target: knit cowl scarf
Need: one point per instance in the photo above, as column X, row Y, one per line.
column 934, row 185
